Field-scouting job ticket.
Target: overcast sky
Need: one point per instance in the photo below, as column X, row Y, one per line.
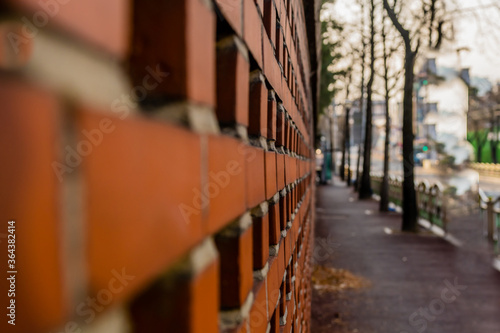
column 477, row 27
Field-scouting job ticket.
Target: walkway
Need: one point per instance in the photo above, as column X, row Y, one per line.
column 411, row 276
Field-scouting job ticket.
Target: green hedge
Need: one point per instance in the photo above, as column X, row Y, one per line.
column 486, row 151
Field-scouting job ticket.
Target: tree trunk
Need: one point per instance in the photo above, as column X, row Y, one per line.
column 384, row 187
column 346, row 127
column 344, row 146
column 332, row 145
column 362, row 98
column 365, row 189
column 358, row 172
column 348, row 146
column 410, row 211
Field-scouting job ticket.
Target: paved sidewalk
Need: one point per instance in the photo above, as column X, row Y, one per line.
column 419, row 283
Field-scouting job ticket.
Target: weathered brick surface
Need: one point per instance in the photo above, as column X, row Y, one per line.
column 29, row 195
column 188, row 201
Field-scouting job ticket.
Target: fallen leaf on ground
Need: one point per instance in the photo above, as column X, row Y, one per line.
column 333, row 279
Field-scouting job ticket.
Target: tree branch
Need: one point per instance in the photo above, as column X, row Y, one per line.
column 392, row 15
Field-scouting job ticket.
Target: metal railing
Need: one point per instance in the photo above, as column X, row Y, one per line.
column 431, row 199
column 490, row 215
column 487, row 169
column 435, row 204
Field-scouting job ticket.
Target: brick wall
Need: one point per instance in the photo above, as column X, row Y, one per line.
column 157, row 159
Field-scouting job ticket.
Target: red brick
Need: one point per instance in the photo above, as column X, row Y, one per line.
column 278, row 45
column 283, row 59
column 280, row 172
column 271, row 183
column 30, row 195
column 287, row 247
column 289, row 139
column 226, row 181
column 258, row 319
column 293, row 165
column 275, row 322
column 130, row 202
column 233, row 80
column 271, row 116
column 283, row 302
column 232, row 12
column 286, row 142
column 260, row 241
column 252, row 32
column 269, row 60
column 290, row 315
column 289, row 276
column 281, row 8
column 260, row 5
column 243, row 328
column 273, row 284
column 258, row 106
column 255, row 175
column 281, row 261
column 270, row 20
column 182, row 305
column 283, row 212
column 104, row 24
column 18, row 51
column 188, row 27
column 280, row 127
column 236, row 276
column 288, row 170
column 274, row 224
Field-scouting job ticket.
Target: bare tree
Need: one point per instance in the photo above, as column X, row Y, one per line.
column 431, row 15
column 410, row 212
column 365, row 190
column 348, row 142
column 347, row 135
column 364, row 44
column 391, row 80
column 344, row 146
column 384, row 189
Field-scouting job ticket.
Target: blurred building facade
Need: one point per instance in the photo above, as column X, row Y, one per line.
column 157, row 157
column 442, row 106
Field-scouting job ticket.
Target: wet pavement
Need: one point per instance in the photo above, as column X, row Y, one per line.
column 417, row 283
